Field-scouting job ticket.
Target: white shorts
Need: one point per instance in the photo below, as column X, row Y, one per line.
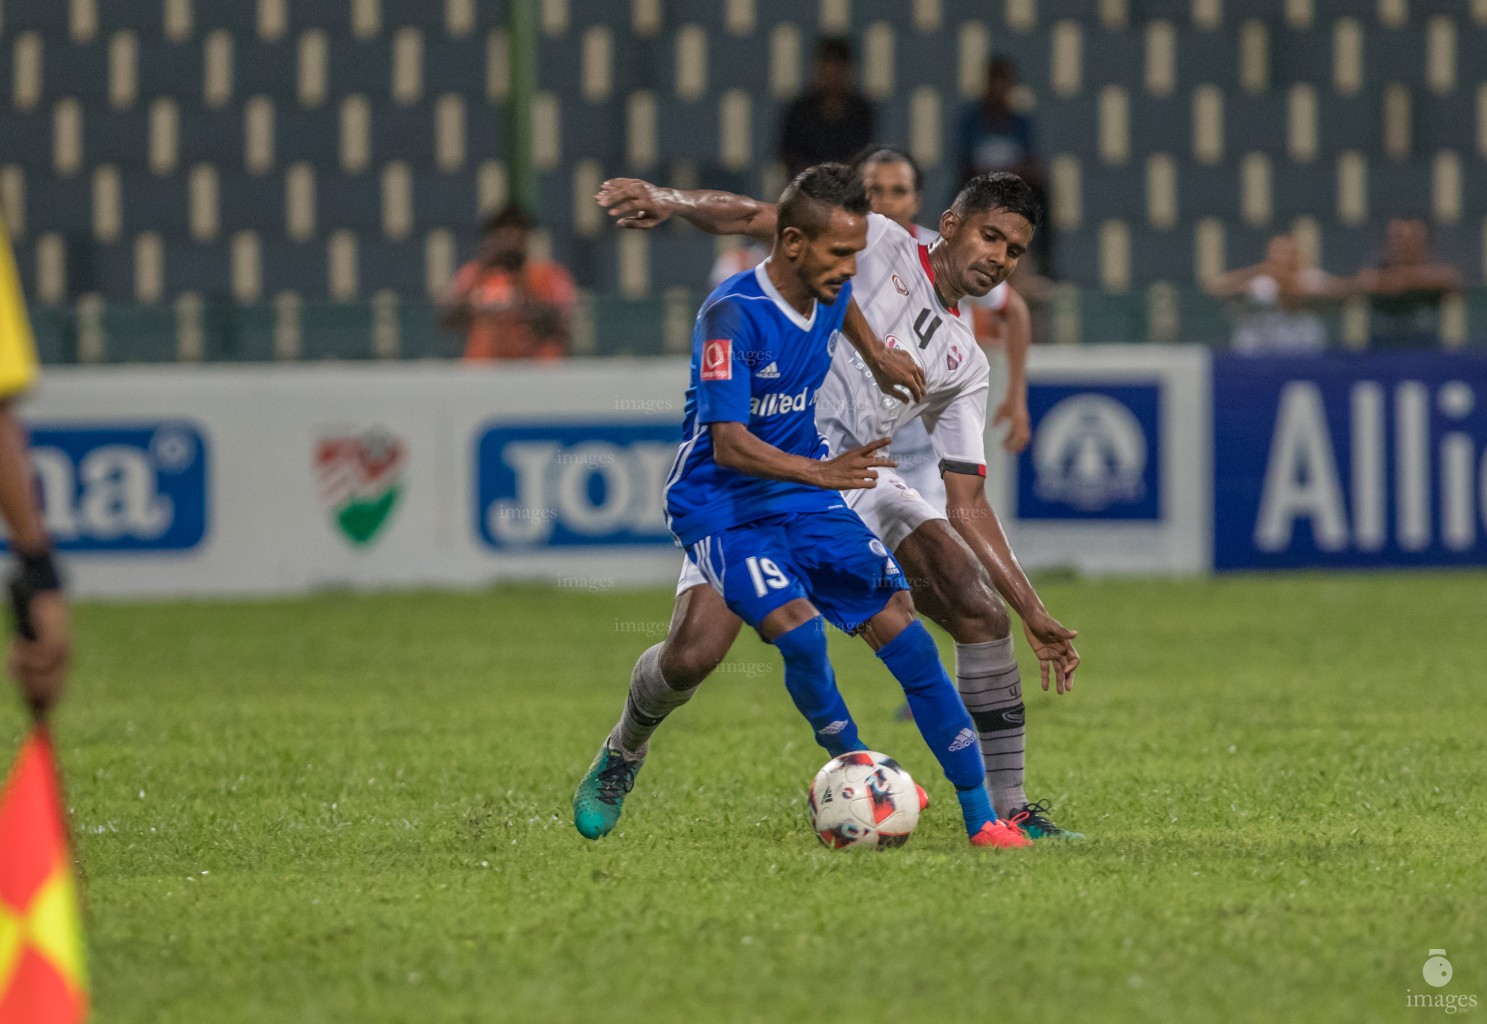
column 892, row 510
column 918, row 464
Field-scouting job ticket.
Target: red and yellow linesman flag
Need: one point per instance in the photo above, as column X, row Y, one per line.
column 42, row 975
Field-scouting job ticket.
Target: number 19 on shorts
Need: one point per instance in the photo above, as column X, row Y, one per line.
column 766, row 575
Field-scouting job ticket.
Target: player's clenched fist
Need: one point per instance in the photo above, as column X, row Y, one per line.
column 856, row 469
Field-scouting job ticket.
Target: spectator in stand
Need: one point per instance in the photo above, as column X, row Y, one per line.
column 510, row 306
column 735, row 261
column 994, row 137
column 831, row 121
column 1277, row 298
column 1406, row 287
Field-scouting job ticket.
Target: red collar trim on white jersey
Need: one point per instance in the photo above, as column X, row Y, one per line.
column 924, row 259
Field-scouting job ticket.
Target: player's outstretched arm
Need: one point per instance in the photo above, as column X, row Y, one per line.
column 895, row 372
column 736, row 448
column 1013, row 409
column 633, row 203
column 976, row 521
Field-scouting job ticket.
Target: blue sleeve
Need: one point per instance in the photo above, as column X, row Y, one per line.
column 719, row 342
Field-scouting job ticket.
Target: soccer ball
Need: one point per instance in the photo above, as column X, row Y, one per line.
column 863, row 799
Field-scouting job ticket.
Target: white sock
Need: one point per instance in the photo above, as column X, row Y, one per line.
column 649, row 702
column 991, row 687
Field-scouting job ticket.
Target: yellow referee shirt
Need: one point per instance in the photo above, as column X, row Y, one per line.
column 17, row 346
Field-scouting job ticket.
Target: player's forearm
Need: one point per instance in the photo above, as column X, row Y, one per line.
column 724, row 213
column 1019, row 340
column 979, row 527
column 863, row 338
column 735, row 448
column 17, row 498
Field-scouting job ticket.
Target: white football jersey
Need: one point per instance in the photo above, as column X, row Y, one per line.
column 894, row 287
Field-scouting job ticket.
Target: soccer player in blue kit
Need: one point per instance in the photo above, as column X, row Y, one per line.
column 755, row 500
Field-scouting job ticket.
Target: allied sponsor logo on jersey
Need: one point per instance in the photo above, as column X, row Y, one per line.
column 359, row 476
column 899, row 286
column 892, row 342
column 717, row 359
column 1377, row 460
column 954, row 357
column 560, row 485
column 123, row 487
column 1095, row 453
column 778, row 404
column 770, row 372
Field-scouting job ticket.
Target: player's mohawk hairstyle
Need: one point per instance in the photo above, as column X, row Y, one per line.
column 999, row 190
column 807, row 202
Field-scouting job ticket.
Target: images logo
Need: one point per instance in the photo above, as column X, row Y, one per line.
column 122, row 487
column 1438, row 973
column 359, row 476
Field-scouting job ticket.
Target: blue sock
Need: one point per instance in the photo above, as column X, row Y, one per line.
column 812, row 685
column 941, row 716
column 975, row 808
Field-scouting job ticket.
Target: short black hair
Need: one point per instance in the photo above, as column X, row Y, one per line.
column 837, row 48
column 808, row 200
column 512, row 215
column 999, row 190
column 876, row 154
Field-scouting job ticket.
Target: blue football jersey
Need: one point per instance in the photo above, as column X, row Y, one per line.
column 755, row 360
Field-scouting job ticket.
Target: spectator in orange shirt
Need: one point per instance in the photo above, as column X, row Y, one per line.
column 509, row 307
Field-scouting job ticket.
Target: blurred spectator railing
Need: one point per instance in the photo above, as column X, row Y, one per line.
column 387, row 327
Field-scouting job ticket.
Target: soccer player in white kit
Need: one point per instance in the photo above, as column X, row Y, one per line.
column 894, row 186
column 957, row 556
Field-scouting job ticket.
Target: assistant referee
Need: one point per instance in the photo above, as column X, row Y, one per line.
column 39, row 652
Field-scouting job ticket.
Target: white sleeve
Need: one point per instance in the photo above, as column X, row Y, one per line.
column 880, row 227
column 958, row 430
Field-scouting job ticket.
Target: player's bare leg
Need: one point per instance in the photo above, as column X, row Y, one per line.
column 701, row 632
column 665, row 677
column 953, row 589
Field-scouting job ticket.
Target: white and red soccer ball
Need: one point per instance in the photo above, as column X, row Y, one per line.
column 863, row 799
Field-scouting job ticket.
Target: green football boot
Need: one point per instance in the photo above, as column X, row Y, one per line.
column 601, row 795
column 1033, row 819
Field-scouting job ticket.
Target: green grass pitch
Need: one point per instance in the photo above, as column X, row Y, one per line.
column 358, row 809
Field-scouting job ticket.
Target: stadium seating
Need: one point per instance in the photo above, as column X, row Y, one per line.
column 366, row 126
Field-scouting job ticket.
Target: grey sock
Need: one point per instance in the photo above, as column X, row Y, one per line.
column 991, row 687
column 649, row 702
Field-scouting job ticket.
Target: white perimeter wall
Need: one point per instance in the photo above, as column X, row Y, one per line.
column 269, row 529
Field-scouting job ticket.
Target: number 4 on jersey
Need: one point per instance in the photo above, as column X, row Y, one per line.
column 926, row 332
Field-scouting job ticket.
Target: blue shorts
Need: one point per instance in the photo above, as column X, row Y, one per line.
column 830, row 558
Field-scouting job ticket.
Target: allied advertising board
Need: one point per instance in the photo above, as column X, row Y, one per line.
column 1350, row 461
